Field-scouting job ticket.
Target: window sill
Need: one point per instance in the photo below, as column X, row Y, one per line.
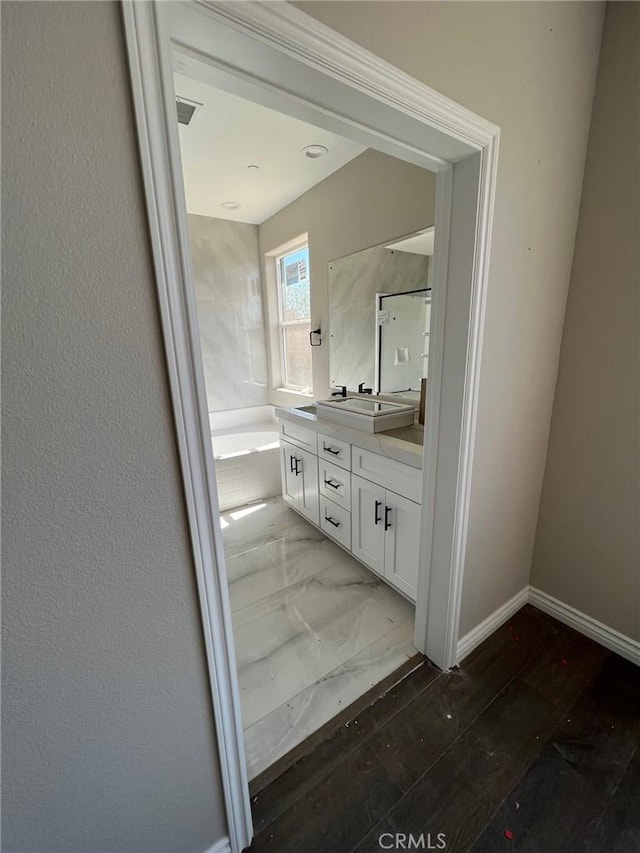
column 307, row 394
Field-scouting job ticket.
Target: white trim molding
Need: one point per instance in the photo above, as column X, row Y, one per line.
column 587, row 625
column 494, row 621
column 292, row 31
column 148, row 48
column 611, row 639
column 221, row 846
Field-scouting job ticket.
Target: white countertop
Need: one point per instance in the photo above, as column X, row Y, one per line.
column 403, row 444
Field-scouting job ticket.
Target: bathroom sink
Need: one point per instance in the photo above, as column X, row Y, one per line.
column 365, row 413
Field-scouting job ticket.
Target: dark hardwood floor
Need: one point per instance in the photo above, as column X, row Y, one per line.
column 532, row 746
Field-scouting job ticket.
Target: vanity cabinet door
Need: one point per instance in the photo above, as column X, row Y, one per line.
column 401, row 543
column 290, row 481
column 307, row 476
column 299, row 472
column 367, row 523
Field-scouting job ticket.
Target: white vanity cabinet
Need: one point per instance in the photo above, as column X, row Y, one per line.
column 334, row 483
column 385, row 533
column 336, row 521
column 334, row 451
column 402, row 543
column 367, row 523
column 365, row 501
column 299, row 469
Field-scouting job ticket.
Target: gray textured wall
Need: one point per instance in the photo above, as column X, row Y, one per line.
column 108, row 741
column 587, row 547
column 530, row 68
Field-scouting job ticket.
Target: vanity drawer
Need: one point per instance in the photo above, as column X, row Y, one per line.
column 334, row 450
column 299, row 435
column 403, row 479
column 334, row 483
column 336, row 521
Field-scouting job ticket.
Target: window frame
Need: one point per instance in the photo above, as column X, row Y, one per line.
column 283, row 324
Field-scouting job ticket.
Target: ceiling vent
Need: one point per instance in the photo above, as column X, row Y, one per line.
column 186, row 109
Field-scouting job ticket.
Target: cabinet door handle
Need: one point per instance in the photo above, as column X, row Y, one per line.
column 387, row 510
column 331, row 521
column 330, row 450
column 297, row 470
column 376, row 517
column 332, row 484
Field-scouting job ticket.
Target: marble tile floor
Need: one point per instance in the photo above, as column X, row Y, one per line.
column 314, row 629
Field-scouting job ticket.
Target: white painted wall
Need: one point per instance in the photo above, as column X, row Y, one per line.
column 587, row 550
column 530, row 68
column 371, row 200
column 108, row 737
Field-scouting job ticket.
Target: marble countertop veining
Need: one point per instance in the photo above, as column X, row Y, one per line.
column 403, row 444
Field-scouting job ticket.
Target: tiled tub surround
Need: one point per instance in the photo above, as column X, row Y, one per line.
column 314, row 629
column 246, row 452
column 226, row 265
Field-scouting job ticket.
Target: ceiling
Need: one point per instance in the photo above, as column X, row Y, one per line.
column 228, row 134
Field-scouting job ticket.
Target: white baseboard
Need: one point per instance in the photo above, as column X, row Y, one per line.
column 480, row 633
column 587, row 625
column 221, row 846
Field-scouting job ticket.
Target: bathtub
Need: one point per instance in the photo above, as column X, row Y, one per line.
column 247, row 459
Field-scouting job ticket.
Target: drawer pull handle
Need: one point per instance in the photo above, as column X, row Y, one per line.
column 331, row 521
column 332, row 484
column 330, row 450
column 376, row 517
column 387, row 510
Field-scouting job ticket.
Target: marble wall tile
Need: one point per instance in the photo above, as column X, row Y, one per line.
column 226, row 265
column 248, row 477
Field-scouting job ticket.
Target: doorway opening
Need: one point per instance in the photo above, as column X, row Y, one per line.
column 296, row 235
column 275, row 55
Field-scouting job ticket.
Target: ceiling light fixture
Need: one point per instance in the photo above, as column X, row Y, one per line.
column 230, row 205
column 315, row 151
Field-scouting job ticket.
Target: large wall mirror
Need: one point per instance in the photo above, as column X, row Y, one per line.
column 380, row 316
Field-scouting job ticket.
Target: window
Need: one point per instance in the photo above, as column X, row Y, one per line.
column 294, row 315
